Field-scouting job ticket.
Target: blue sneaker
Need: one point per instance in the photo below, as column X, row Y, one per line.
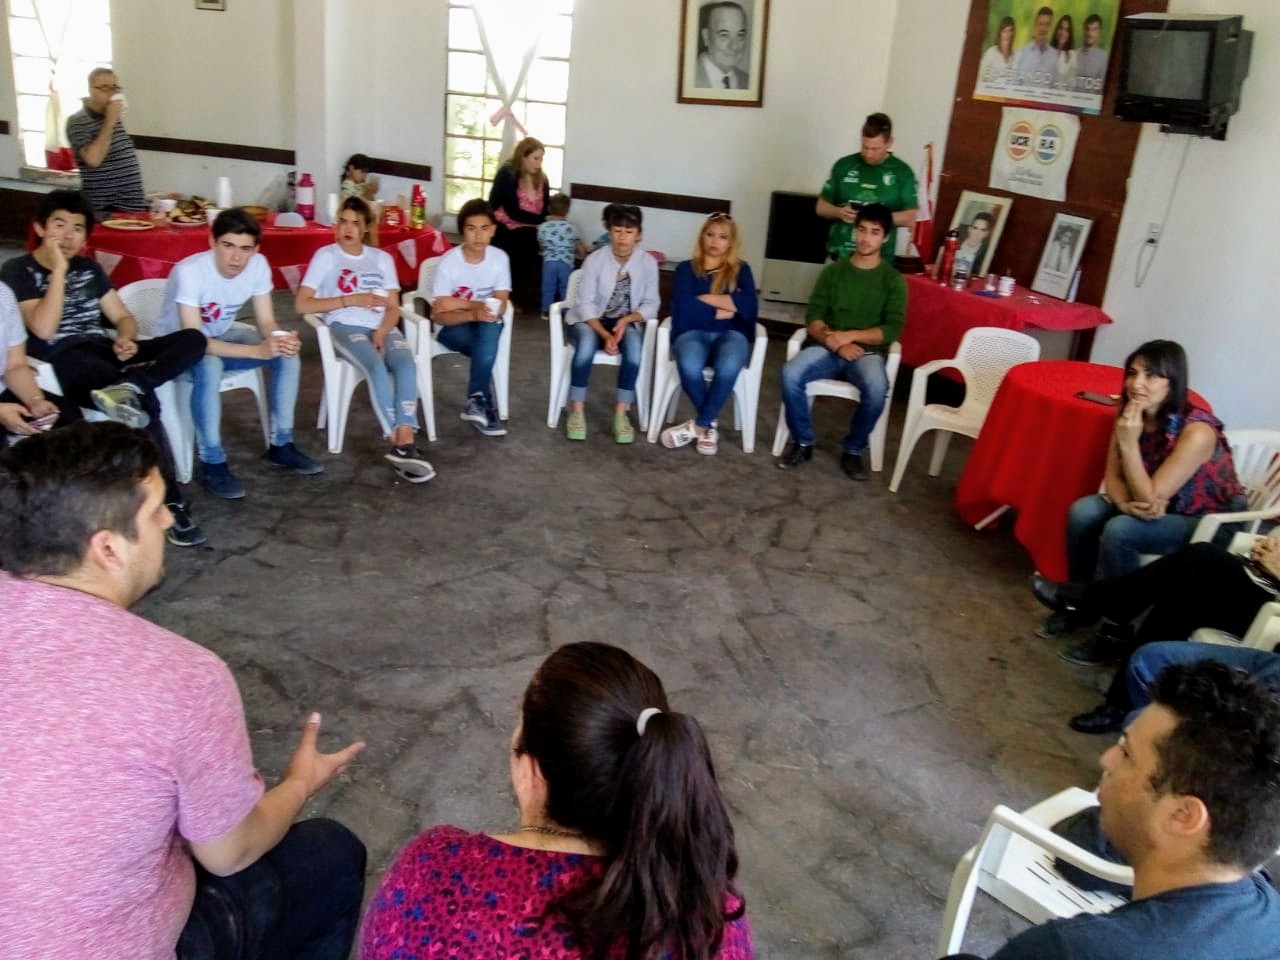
column 288, row 457
column 477, row 410
column 217, row 479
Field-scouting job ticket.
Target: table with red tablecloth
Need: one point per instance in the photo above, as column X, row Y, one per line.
column 129, row 255
column 1040, row 449
column 938, row 316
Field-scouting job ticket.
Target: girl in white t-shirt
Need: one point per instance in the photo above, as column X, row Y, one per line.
column 355, row 287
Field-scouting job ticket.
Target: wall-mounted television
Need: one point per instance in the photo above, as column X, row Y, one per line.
column 1183, row 71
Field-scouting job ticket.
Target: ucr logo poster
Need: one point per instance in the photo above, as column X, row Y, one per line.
column 1034, row 151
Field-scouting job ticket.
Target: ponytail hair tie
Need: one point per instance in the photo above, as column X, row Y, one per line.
column 642, row 721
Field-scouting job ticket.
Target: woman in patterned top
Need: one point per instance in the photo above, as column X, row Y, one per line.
column 1169, row 464
column 623, row 850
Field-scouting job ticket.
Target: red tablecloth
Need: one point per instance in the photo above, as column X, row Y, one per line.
column 1040, row 449
column 129, row 255
column 938, row 316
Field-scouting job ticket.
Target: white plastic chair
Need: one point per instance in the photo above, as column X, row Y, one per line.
column 422, row 338
column 847, row 391
column 1013, row 862
column 985, row 355
column 746, row 389
column 1256, row 454
column 562, row 358
column 145, row 298
column 1263, row 633
column 342, row 374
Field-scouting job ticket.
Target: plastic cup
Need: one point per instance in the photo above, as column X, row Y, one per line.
column 495, row 306
column 212, row 214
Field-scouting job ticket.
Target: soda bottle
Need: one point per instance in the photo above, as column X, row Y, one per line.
column 949, row 247
column 418, row 208
column 306, row 197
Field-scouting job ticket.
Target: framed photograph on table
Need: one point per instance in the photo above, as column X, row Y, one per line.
column 979, row 219
column 722, row 47
column 1061, row 256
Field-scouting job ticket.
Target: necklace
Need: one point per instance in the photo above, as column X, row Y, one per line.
column 551, row 831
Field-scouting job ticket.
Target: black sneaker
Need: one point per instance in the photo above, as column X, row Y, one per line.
column 410, row 464
column 119, row 402
column 492, row 426
column 477, row 411
column 1055, row 596
column 217, row 479
column 1094, row 651
column 1103, row 718
column 795, row 455
column 183, row 532
column 288, row 457
column 855, row 465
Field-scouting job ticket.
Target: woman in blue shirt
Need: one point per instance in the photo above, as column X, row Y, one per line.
column 713, row 323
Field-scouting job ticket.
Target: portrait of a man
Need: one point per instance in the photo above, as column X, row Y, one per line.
column 723, row 45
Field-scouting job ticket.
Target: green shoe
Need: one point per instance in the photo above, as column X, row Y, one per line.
column 575, row 425
column 623, row 432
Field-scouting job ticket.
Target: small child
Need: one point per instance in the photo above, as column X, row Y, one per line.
column 558, row 240
column 603, row 239
column 356, row 181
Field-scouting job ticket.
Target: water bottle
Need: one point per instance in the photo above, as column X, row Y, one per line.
column 307, row 197
column 949, row 247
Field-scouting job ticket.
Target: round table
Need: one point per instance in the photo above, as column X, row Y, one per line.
column 1040, row 449
column 129, row 255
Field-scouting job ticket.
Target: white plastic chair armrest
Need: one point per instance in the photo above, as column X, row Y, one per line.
column 313, row 320
column 796, row 341
column 1061, row 847
column 1208, row 526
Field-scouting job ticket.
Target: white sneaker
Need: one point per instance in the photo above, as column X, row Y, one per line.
column 709, row 442
column 680, row 435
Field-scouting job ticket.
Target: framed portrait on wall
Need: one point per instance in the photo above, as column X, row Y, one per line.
column 1061, row 256
column 722, row 47
column 980, row 219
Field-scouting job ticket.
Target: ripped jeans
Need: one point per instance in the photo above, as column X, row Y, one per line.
column 392, row 375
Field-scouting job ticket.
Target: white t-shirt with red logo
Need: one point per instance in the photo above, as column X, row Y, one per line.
column 196, row 282
column 455, row 277
column 334, row 273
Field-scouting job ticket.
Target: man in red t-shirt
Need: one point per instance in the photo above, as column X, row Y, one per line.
column 123, row 748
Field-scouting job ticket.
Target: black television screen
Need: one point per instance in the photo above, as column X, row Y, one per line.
column 1169, row 64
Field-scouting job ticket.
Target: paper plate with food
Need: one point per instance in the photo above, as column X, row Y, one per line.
column 128, row 223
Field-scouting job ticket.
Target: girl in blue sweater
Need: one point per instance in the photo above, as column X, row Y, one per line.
column 713, row 323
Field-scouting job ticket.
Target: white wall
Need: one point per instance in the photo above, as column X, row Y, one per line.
column 627, row 130
column 1214, row 285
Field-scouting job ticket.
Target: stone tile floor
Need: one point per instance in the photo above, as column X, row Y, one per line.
column 864, row 664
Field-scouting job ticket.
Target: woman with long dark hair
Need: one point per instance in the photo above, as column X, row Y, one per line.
column 519, row 198
column 623, row 849
column 1064, row 42
column 1168, row 464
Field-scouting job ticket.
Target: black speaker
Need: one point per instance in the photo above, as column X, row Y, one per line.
column 795, row 247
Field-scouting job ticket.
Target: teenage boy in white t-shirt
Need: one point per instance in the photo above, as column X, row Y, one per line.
column 355, row 287
column 24, row 409
column 465, row 277
column 205, row 292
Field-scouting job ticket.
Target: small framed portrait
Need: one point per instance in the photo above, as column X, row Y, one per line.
column 1061, row 256
column 722, row 46
column 979, row 219
column 219, row 5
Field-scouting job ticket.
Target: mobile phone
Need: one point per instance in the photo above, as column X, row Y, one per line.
column 1105, row 399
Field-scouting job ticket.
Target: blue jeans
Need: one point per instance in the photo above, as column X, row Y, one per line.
column 206, row 397
column 1101, row 537
column 477, row 339
column 867, row 373
column 301, row 901
column 393, row 375
column 585, row 344
column 555, row 281
column 725, row 352
column 1145, row 665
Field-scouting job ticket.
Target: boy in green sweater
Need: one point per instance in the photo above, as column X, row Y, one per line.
column 855, row 312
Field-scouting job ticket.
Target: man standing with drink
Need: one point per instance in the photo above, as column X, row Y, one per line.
column 109, row 172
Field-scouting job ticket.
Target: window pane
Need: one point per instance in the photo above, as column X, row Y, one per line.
column 465, row 115
column 463, row 34
column 22, row 8
column 467, row 72
column 31, row 75
column 98, row 11
column 26, row 38
column 463, row 158
column 31, row 112
column 548, row 80
column 492, row 158
column 546, row 122
column 556, row 34
column 33, row 148
column 553, row 167
column 457, row 192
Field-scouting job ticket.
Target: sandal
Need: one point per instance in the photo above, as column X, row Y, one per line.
column 623, row 432
column 575, row 425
